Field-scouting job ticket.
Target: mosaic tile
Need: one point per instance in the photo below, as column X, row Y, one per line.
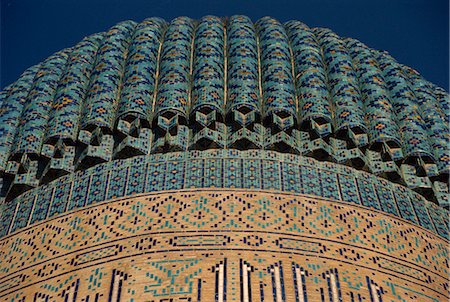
column 330, row 186
column 236, row 84
column 135, row 185
column 273, row 162
column 367, row 193
column 80, row 191
column 155, row 177
column 213, row 173
column 117, row 183
column 174, row 176
column 195, row 179
column 404, row 205
column 40, row 211
column 251, row 177
column 61, row 196
column 291, row 177
column 270, row 176
column 386, row 198
column 23, row 211
column 241, row 169
column 349, row 190
column 310, row 181
column 233, row 167
column 97, row 188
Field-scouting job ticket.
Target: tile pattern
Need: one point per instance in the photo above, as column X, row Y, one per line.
column 379, row 112
column 243, row 104
column 433, row 115
column 100, row 109
column 253, row 169
column 101, row 103
column 277, row 85
column 344, row 91
column 31, row 130
column 141, row 70
column 224, row 245
column 72, row 89
column 311, row 79
column 411, row 124
column 172, row 101
column 223, row 83
column 13, row 101
column 276, row 73
column 208, row 81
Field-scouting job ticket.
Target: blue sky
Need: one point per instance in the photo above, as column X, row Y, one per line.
column 415, row 32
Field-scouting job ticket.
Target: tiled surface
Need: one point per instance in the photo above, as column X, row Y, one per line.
column 162, row 109
column 253, row 170
column 224, row 245
column 223, row 83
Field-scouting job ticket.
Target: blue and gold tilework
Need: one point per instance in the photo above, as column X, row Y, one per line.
column 443, row 100
column 13, row 101
column 276, row 69
column 208, row 81
column 223, row 83
column 344, row 90
column 242, row 70
column 102, row 100
column 72, row 89
column 379, row 112
column 175, row 68
column 277, row 85
column 31, row 130
column 414, row 138
column 310, row 79
column 223, row 160
column 208, row 65
column 434, row 116
column 243, row 105
column 141, row 70
column 171, row 109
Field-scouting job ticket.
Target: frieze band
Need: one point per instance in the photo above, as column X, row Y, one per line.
column 255, row 169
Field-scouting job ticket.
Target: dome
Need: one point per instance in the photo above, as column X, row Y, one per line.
column 147, row 88
column 223, row 103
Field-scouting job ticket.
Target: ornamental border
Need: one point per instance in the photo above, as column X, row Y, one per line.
column 221, row 169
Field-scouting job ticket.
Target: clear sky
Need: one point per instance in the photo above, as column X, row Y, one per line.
column 415, row 32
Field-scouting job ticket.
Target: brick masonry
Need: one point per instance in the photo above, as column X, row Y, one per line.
column 224, row 245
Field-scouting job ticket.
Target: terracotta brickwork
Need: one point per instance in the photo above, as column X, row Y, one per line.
column 224, row 245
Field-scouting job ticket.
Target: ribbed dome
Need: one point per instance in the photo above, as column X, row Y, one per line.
column 157, row 87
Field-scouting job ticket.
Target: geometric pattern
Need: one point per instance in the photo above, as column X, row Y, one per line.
column 223, row 83
column 252, row 170
column 194, row 246
column 223, row 160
